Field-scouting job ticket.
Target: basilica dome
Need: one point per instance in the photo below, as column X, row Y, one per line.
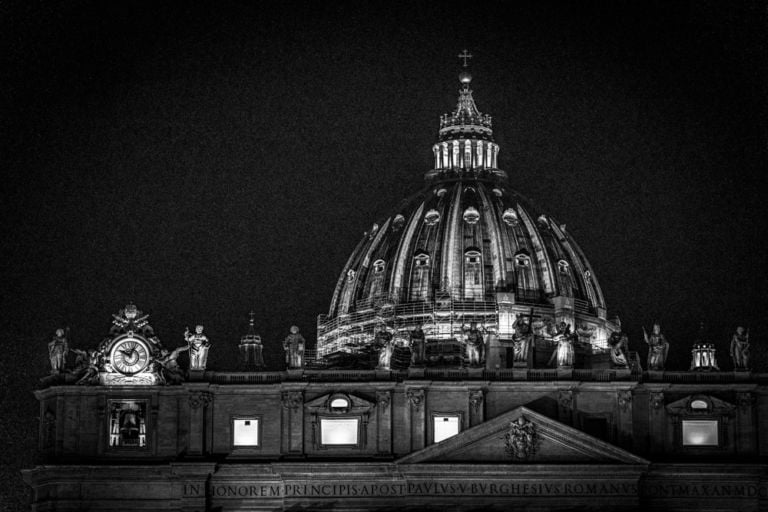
column 466, row 248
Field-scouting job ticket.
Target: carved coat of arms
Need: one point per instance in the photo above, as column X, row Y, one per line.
column 521, row 439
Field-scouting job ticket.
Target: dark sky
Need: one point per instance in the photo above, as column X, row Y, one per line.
column 205, row 161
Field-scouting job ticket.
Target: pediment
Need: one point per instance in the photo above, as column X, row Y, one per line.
column 700, row 405
column 523, row 436
column 332, row 403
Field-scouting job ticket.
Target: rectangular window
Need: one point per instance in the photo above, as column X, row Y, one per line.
column 445, row 426
column 339, row 431
column 245, row 432
column 127, row 424
column 700, row 433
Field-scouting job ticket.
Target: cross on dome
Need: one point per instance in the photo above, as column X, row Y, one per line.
column 465, row 55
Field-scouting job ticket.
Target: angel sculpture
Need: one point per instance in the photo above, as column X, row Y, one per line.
column 167, row 366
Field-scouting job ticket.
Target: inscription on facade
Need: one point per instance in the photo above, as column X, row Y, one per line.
column 509, row 488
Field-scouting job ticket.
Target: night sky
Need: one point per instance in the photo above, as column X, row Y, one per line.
column 204, row 161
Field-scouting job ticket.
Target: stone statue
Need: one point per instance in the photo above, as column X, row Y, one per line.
column 91, row 374
column 475, row 343
column 198, row 345
column 658, row 347
column 131, row 319
column 418, row 346
column 563, row 355
column 167, row 367
column 57, row 351
column 294, row 345
column 619, row 343
column 384, row 341
column 521, row 339
column 740, row 349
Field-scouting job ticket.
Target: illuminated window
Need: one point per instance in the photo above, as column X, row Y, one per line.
column 245, row 431
column 128, row 424
column 471, row 215
column 510, row 217
column 339, row 431
column 339, row 403
column 699, row 405
column 378, row 267
column 473, row 275
column 432, row 217
column 700, row 433
column 445, row 426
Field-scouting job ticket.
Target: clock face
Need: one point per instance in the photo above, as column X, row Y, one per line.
column 129, row 355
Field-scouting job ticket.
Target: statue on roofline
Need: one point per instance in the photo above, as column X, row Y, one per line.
column 522, row 339
column 658, row 348
column 418, row 346
column 294, row 345
column 384, row 341
column 619, row 343
column 475, row 343
column 563, row 355
column 198, row 345
column 58, row 348
column 740, row 349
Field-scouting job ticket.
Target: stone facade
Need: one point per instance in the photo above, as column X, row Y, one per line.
column 605, row 440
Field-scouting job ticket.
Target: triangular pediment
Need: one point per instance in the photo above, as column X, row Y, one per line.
column 523, row 436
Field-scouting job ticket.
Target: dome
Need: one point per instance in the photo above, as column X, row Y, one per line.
column 466, row 248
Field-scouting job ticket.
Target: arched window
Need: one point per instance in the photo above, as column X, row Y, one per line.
column 471, row 215
column 350, row 275
column 523, row 260
column 432, row 217
column 473, row 275
column 420, row 279
column 378, row 267
column 510, row 217
column 562, row 266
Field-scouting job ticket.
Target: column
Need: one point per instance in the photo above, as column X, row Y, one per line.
column 198, row 402
column 476, row 407
column 416, row 408
column 292, row 437
column 384, row 422
column 745, row 439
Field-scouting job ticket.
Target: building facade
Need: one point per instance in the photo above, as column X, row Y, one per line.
column 467, row 362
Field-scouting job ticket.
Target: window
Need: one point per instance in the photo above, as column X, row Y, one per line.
column 471, row 215
column 378, row 267
column 699, row 405
column 128, row 424
column 510, row 217
column 432, row 217
column 339, row 403
column 421, row 260
column 339, row 431
column 473, row 275
column 245, row 432
column 700, row 433
column 522, row 260
column 562, row 266
column 350, row 275
column 445, row 426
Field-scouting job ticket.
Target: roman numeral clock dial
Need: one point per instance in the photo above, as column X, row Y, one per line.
column 129, row 356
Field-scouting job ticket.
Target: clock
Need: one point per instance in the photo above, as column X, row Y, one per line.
column 129, row 355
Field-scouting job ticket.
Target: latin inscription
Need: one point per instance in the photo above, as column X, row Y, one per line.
column 366, row 489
